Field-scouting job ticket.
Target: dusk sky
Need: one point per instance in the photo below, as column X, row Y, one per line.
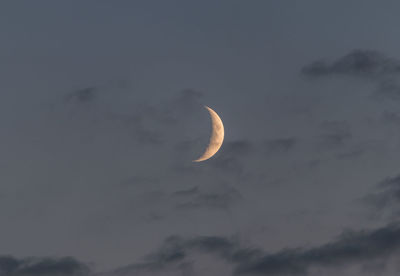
column 102, row 112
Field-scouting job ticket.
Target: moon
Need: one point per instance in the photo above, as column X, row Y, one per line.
column 217, row 136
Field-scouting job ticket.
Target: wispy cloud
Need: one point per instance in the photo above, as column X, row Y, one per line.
column 194, row 198
column 281, row 145
column 351, row 247
column 385, row 200
column 84, row 95
column 363, row 64
column 360, row 63
column 334, row 133
column 12, row 266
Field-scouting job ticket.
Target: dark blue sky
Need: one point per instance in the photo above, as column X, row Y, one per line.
column 101, row 108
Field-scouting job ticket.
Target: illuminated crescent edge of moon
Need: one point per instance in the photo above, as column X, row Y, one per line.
column 217, row 136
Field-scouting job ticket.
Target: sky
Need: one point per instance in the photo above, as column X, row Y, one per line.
column 101, row 108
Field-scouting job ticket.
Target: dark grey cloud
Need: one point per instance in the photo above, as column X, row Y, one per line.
column 385, row 200
column 177, row 254
column 360, row 63
column 84, row 95
column 170, row 254
column 12, row 266
column 176, row 251
column 366, row 64
column 351, row 247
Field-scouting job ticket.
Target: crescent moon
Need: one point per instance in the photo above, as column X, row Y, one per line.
column 217, row 136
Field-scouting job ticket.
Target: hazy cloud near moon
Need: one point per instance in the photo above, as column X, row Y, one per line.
column 143, row 119
column 193, row 199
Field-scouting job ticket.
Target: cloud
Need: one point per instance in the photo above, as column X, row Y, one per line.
column 232, row 160
column 176, row 251
column 92, row 109
column 137, row 180
column 179, row 256
column 187, row 145
column 281, row 145
column 170, row 255
column 350, row 248
column 239, row 147
column 334, row 133
column 354, row 153
column 84, row 95
column 168, row 113
column 135, row 125
column 188, row 98
column 360, row 63
column 229, row 164
column 385, row 201
column 11, row 266
column 194, row 198
column 147, row 123
column 387, row 89
column 365, row 64
column 181, row 105
column 191, row 191
column 391, row 117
